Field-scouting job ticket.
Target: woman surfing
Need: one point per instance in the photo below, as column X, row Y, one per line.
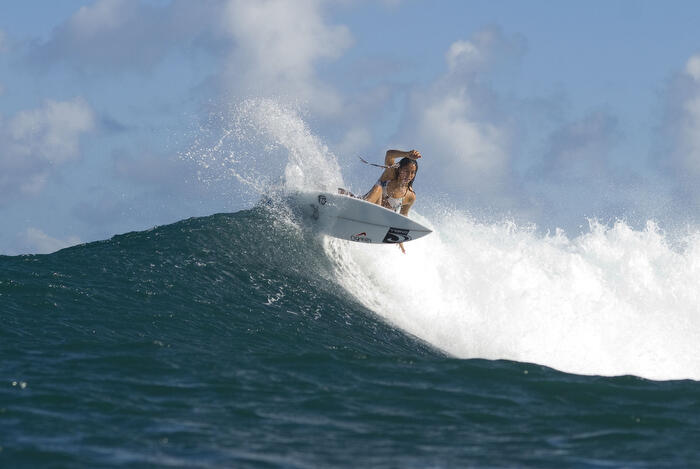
column 394, row 188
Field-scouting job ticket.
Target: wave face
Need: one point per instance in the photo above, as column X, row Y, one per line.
column 239, row 340
column 245, row 340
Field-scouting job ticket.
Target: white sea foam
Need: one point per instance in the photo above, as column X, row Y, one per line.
column 611, row 301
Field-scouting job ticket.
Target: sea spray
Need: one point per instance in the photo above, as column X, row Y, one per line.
column 612, row 301
column 264, row 146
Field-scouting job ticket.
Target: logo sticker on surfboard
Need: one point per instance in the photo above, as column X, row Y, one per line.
column 361, row 237
column 396, row 235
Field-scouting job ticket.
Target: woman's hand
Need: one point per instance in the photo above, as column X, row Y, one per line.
column 414, row 154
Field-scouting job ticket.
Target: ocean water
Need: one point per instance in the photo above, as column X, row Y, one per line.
column 246, row 340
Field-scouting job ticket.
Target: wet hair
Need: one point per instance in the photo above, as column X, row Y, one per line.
column 402, row 164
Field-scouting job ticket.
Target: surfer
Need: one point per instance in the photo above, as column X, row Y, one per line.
column 394, row 188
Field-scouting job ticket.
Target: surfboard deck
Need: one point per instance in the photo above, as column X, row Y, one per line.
column 353, row 219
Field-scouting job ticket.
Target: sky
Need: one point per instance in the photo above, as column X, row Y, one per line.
column 547, row 113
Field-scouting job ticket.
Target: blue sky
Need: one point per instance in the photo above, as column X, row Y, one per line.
column 546, row 112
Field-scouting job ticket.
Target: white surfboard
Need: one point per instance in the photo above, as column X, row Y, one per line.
column 346, row 217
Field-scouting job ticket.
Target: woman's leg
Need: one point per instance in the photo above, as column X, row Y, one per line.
column 374, row 195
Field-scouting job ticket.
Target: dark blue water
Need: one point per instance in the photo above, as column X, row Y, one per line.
column 226, row 342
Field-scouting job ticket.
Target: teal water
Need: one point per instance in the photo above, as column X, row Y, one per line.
column 226, row 341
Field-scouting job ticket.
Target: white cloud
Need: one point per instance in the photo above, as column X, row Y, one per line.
column 692, row 67
column 682, row 123
column 51, row 133
column 125, row 34
column 101, row 16
column 690, row 128
column 270, row 48
column 457, row 122
column 470, row 144
column 483, row 50
column 581, row 149
column 355, row 140
column 35, row 142
column 36, row 241
column 689, row 145
column 463, row 53
column 278, row 44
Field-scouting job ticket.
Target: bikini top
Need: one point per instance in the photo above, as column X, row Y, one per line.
column 394, row 203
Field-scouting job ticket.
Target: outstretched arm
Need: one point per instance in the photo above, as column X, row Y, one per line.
column 391, row 155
